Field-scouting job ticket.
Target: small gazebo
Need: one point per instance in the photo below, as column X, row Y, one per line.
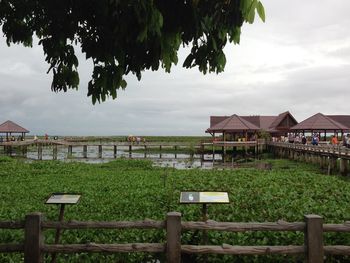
column 9, row 128
column 320, row 123
column 233, row 125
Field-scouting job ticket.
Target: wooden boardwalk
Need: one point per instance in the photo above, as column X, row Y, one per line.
column 327, row 156
column 21, row 147
column 330, row 157
column 322, row 149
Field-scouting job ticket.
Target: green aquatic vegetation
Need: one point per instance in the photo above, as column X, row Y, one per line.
column 134, row 190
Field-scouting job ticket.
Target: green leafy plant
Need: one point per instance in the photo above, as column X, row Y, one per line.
column 134, row 190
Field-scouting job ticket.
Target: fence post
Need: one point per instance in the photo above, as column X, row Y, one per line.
column 314, row 238
column 173, row 235
column 33, row 238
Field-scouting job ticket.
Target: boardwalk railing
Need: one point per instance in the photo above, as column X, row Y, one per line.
column 322, row 149
column 34, row 246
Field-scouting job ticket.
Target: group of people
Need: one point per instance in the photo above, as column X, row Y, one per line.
column 315, row 139
column 135, row 139
column 12, row 139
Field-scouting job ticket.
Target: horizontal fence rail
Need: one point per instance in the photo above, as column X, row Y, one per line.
column 313, row 228
column 145, row 224
column 242, row 227
column 110, row 248
column 243, row 250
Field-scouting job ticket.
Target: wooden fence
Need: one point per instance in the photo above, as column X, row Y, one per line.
column 313, row 228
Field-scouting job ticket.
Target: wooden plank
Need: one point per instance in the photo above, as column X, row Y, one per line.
column 336, row 227
column 337, row 250
column 243, row 250
column 11, row 248
column 145, row 224
column 110, row 248
column 11, row 224
column 242, row 227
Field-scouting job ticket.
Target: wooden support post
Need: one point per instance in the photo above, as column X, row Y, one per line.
column 58, row 232
column 314, row 238
column 313, row 158
column 130, row 150
column 54, row 152
column 213, row 153
column 40, row 152
column 173, row 232
column 9, row 150
column 343, row 167
column 70, row 151
column 333, row 164
column 24, row 150
column 33, row 239
column 100, row 151
column 115, row 151
column 84, row 151
column 321, row 161
column 175, row 151
column 160, row 148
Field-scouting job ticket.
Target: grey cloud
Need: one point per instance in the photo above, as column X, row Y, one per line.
column 342, row 53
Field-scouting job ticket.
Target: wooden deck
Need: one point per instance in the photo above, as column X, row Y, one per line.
column 322, row 149
column 333, row 158
column 133, row 144
column 22, row 147
column 233, row 143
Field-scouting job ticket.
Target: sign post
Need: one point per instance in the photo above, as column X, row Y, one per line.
column 61, row 199
column 204, row 198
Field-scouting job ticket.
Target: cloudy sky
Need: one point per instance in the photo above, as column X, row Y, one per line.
column 299, row 60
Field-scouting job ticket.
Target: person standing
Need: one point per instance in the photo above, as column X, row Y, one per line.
column 314, row 139
column 334, row 140
column 303, row 140
column 344, row 140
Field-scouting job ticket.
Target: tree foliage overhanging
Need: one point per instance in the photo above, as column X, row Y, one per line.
column 125, row 36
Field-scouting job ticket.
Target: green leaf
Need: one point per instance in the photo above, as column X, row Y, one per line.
column 123, row 84
column 251, row 12
column 261, row 11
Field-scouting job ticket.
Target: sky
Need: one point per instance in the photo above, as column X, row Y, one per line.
column 298, row 60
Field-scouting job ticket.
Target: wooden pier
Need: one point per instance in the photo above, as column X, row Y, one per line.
column 21, row 148
column 330, row 157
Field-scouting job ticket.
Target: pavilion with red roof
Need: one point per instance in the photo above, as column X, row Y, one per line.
column 324, row 123
column 9, row 128
column 248, row 126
